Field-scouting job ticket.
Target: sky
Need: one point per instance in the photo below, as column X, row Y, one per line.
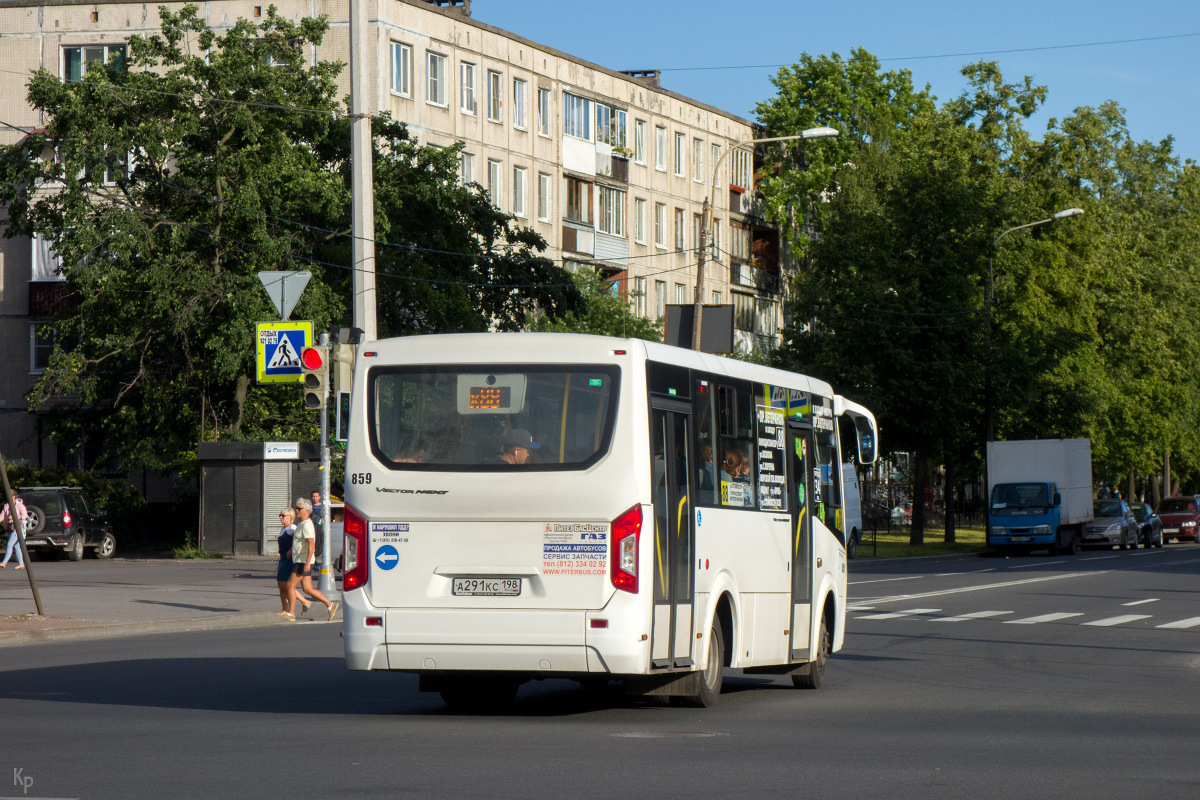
column 1081, row 50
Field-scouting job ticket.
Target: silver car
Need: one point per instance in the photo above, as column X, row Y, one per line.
column 1113, row 525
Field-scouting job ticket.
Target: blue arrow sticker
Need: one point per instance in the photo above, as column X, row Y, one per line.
column 387, row 557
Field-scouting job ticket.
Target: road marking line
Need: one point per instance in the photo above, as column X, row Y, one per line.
column 1036, row 564
column 1099, row 558
column 1042, row 618
column 1121, row 620
column 973, row 615
column 966, row 572
column 1190, row 622
column 887, row 580
column 1001, row 585
column 895, row 614
column 1141, row 602
column 860, row 608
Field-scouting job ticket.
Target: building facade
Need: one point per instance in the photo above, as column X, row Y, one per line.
column 609, row 167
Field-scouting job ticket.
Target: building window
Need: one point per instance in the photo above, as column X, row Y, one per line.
column 680, row 294
column 435, row 73
column 610, row 125
column 660, row 148
column 680, row 143
column 714, row 244
column 639, row 296
column 544, row 196
column 612, row 211
column 680, row 240
column 739, row 241
column 743, row 312
column 466, row 168
column 76, row 59
column 518, row 206
column 520, row 115
column 466, row 95
column 494, row 186
column 544, row 112
column 697, row 160
column 639, row 220
column 660, row 298
column 41, row 346
column 579, row 200
column 639, row 141
column 741, row 169
column 402, row 69
column 577, row 116
column 716, row 298
column 660, row 224
column 716, row 158
column 494, row 90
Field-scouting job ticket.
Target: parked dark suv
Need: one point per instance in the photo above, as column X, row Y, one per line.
column 61, row 520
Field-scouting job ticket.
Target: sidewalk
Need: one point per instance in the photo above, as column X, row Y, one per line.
column 91, row 598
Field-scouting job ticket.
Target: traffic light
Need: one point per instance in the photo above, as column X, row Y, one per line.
column 314, row 366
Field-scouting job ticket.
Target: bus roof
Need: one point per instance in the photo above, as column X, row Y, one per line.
column 575, row 347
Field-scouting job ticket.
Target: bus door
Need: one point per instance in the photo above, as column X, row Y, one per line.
column 674, row 535
column 800, row 481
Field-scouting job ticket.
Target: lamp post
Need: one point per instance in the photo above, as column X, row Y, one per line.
column 706, row 216
column 987, row 366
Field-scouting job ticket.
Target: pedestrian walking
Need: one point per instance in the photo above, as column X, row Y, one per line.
column 318, row 519
column 284, row 571
column 303, row 551
column 14, row 526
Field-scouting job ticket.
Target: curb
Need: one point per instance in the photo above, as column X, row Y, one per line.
column 256, row 619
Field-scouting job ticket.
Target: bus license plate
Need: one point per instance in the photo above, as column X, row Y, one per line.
column 1020, row 539
column 486, row 587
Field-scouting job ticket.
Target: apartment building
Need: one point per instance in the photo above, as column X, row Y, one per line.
column 611, row 168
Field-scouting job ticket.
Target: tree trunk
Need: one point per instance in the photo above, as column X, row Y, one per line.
column 916, row 534
column 1129, row 497
column 239, row 399
column 950, row 496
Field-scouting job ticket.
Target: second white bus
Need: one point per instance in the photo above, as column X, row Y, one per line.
column 524, row 506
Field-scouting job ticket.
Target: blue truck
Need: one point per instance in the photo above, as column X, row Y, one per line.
column 1039, row 494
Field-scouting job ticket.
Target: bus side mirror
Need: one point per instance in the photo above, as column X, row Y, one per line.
column 1057, row 499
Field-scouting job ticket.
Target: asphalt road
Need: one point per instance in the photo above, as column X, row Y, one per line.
column 955, row 682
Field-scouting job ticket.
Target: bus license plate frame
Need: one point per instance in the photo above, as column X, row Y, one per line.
column 487, row 587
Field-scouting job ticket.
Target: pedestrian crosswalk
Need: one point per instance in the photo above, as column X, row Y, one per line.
column 936, row 615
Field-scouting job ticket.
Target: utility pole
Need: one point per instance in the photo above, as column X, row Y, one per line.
column 325, row 582
column 699, row 299
column 362, row 189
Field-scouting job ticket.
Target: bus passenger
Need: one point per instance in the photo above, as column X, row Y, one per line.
column 518, row 444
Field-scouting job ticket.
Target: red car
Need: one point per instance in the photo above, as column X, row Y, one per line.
column 1180, row 518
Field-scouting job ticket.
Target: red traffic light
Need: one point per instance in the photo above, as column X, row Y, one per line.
column 312, row 358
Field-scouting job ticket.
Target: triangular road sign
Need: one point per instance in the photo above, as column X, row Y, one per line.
column 284, row 289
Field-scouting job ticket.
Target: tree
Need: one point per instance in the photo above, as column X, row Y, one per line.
column 606, row 313
column 165, row 184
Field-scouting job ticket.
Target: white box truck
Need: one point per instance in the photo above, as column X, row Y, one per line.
column 1039, row 494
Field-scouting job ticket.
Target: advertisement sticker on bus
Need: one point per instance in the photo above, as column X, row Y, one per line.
column 575, row 548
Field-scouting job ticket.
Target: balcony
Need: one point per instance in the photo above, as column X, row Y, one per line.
column 47, row 298
column 743, row 274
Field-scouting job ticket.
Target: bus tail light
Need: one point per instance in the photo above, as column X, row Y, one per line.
column 626, row 530
column 354, row 547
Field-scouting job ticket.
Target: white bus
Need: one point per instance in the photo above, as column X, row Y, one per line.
column 665, row 514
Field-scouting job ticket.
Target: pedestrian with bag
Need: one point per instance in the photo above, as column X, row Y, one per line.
column 303, row 552
column 283, row 572
column 14, row 526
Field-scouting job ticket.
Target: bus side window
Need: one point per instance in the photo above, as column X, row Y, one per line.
column 707, row 472
column 735, row 412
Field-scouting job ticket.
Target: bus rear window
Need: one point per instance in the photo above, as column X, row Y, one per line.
column 466, row 418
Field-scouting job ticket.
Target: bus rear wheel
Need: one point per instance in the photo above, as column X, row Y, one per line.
column 816, row 668
column 712, row 675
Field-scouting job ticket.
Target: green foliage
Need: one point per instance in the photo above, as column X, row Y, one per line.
column 123, row 505
column 1090, row 328
column 191, row 549
column 238, row 162
column 606, row 313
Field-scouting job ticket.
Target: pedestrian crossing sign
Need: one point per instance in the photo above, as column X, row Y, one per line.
column 279, row 345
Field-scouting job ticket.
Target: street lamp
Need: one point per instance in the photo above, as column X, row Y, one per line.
column 987, row 366
column 707, row 221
